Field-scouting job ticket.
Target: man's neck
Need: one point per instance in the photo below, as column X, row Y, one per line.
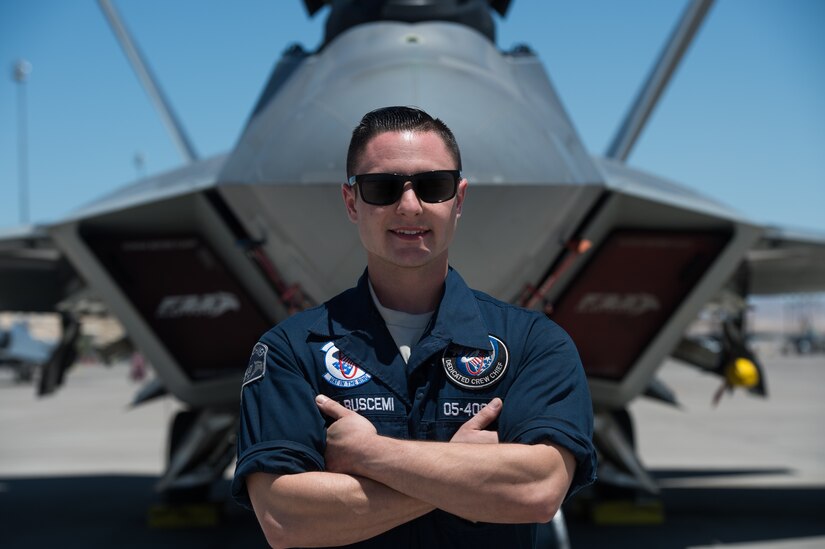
column 413, row 291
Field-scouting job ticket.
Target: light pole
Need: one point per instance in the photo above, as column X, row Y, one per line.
column 20, row 73
column 140, row 164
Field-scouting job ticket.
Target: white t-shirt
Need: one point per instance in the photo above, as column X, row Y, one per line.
column 405, row 328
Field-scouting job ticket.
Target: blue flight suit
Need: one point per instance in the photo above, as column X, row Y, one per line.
column 475, row 348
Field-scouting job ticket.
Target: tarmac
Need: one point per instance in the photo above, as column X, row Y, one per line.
column 77, row 469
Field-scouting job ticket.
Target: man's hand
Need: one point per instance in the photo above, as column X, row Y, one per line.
column 472, row 431
column 347, row 437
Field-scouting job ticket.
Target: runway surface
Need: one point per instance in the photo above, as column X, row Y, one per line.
column 77, row 469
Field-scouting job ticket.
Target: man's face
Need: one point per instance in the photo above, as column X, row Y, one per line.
column 410, row 233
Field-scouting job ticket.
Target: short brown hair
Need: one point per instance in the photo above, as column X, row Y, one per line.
column 397, row 119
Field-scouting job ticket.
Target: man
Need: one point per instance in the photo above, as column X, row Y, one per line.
column 411, row 411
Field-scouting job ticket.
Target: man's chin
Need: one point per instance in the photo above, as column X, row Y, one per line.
column 409, row 259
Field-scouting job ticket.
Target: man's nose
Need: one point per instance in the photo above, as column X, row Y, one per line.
column 409, row 203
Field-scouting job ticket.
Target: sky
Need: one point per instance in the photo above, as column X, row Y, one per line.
column 743, row 120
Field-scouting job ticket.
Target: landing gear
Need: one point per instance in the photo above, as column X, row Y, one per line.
column 180, row 426
column 201, row 446
column 625, row 492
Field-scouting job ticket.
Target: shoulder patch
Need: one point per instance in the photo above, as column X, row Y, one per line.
column 257, row 364
column 475, row 369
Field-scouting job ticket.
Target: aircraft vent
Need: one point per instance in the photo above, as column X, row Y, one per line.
column 185, row 293
column 628, row 290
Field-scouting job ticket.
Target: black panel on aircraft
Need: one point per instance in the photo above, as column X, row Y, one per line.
column 626, row 293
column 196, row 308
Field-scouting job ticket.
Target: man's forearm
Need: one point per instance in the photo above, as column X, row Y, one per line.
column 321, row 509
column 471, row 476
column 507, row 483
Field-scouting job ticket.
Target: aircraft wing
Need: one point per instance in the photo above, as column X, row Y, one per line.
column 787, row 261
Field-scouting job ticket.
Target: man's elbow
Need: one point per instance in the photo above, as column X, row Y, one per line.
column 539, row 514
column 545, row 511
column 543, row 503
column 274, row 532
column 278, row 535
column 278, row 526
column 548, row 493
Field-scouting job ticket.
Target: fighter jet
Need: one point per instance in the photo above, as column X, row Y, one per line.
column 22, row 353
column 198, row 262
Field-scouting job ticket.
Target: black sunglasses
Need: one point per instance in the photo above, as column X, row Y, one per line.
column 383, row 189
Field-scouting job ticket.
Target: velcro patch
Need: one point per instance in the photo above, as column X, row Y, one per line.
column 476, row 369
column 257, row 364
column 341, row 370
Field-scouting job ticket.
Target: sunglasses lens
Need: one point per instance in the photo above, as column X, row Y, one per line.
column 383, row 189
column 380, row 189
column 436, row 187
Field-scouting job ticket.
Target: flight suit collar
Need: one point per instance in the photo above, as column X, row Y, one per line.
column 457, row 319
column 348, row 312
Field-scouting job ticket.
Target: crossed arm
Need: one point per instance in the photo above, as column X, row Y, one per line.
column 374, row 483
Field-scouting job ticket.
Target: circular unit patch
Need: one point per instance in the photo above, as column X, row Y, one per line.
column 341, row 371
column 475, row 369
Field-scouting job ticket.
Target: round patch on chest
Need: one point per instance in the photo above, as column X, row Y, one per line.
column 341, row 371
column 476, row 369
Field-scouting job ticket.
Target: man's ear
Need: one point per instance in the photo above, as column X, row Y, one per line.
column 349, row 195
column 459, row 196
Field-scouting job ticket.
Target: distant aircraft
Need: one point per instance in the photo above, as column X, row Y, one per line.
column 22, row 353
column 199, row 261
